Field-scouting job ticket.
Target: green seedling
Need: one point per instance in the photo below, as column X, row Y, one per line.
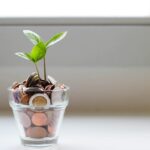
column 40, row 48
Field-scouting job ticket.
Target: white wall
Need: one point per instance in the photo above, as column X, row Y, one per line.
column 105, row 64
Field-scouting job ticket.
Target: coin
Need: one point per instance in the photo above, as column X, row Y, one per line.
column 39, row 119
column 39, row 100
column 15, row 85
column 36, row 132
column 49, row 116
column 32, row 90
column 16, row 95
column 32, row 80
column 51, row 80
column 24, row 119
column 49, row 87
column 25, row 99
column 30, row 113
column 51, row 130
column 44, row 83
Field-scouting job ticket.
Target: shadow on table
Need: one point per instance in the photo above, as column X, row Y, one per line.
column 58, row 147
column 74, row 147
column 20, row 147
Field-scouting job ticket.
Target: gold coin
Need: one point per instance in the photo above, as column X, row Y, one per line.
column 39, row 100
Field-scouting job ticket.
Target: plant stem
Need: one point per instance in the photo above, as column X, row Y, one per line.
column 44, row 68
column 37, row 69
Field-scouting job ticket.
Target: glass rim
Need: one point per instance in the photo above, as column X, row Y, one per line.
column 17, row 106
column 54, row 90
column 62, row 105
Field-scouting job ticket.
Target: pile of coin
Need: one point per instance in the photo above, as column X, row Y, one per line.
column 39, row 124
column 36, row 121
column 37, row 92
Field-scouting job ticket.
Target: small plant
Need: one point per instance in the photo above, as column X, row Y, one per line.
column 40, row 48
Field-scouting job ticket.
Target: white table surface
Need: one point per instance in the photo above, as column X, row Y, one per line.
column 89, row 133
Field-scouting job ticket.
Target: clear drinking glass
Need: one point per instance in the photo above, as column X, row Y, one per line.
column 39, row 126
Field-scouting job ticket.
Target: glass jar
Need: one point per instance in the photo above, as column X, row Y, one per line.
column 39, row 125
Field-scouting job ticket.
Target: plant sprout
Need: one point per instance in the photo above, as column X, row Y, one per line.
column 40, row 48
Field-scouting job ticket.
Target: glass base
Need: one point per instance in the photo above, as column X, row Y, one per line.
column 39, row 143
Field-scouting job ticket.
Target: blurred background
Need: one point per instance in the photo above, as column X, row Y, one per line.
column 104, row 59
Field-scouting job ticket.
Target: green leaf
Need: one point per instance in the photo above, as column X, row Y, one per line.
column 29, row 56
column 32, row 36
column 22, row 55
column 56, row 38
column 38, row 52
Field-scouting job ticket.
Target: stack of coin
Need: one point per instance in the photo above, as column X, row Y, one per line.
column 52, row 91
column 39, row 95
column 39, row 124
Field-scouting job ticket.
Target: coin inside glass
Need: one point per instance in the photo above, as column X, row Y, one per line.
column 39, row 100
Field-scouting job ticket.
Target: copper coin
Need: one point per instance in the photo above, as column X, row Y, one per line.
column 51, row 130
column 49, row 87
column 36, row 132
column 30, row 113
column 24, row 82
column 49, row 116
column 15, row 85
column 53, row 123
column 25, row 99
column 24, row 120
column 39, row 119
